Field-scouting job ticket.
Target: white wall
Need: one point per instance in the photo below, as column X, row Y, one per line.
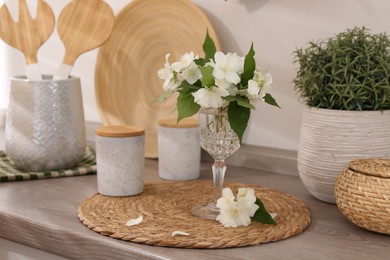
column 276, row 27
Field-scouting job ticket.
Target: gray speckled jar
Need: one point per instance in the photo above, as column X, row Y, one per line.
column 178, row 149
column 45, row 127
column 120, row 160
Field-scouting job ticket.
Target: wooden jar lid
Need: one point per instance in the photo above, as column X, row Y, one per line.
column 184, row 123
column 119, row 131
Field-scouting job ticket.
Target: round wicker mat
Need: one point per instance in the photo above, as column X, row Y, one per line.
column 166, row 207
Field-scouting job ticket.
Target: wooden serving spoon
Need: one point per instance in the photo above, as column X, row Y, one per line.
column 27, row 34
column 82, row 26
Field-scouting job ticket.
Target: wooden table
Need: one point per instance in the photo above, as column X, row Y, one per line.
column 43, row 214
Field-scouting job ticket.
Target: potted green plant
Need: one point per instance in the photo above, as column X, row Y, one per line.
column 344, row 82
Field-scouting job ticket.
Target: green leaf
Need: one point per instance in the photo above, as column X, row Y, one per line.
column 270, row 100
column 185, row 86
column 242, row 101
column 164, row 96
column 186, row 105
column 262, row 215
column 249, row 67
column 207, row 76
column 199, row 62
column 238, row 118
column 209, row 48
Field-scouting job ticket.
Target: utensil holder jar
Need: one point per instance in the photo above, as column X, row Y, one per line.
column 120, row 160
column 45, row 128
column 178, row 149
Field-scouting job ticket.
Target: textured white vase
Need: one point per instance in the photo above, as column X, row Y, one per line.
column 45, row 123
column 331, row 138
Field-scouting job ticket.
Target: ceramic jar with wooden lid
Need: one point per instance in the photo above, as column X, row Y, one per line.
column 178, row 149
column 120, row 160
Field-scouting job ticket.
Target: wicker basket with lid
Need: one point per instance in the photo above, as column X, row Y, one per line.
column 363, row 194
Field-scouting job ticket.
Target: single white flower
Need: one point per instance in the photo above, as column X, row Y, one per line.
column 192, row 73
column 236, row 213
column 227, row 67
column 171, row 77
column 266, row 85
column 253, row 88
column 134, row 221
column 184, row 62
column 246, row 194
column 165, row 72
column 210, row 97
column 259, row 86
column 226, row 200
column 230, row 87
column 227, row 193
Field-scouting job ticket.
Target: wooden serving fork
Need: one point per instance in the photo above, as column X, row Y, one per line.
column 27, row 34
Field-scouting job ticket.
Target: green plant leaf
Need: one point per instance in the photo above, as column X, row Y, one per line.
column 262, row 214
column 238, row 118
column 186, row 105
column 242, row 101
column 209, row 48
column 207, row 76
column 164, row 96
column 199, row 62
column 249, row 67
column 349, row 71
column 185, row 86
column 270, row 100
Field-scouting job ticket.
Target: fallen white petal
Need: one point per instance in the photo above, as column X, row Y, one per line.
column 273, row 215
column 179, row 233
column 134, row 221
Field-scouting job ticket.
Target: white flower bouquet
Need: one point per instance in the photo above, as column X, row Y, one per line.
column 222, row 81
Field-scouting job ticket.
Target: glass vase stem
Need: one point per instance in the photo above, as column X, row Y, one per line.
column 220, row 141
column 219, row 169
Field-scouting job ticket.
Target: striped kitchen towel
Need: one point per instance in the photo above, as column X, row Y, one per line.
column 9, row 172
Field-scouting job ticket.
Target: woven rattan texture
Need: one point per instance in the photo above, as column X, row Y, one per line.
column 375, row 167
column 364, row 200
column 166, row 207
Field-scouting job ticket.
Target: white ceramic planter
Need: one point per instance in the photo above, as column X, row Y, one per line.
column 331, row 138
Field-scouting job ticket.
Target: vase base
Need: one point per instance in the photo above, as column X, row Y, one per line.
column 206, row 211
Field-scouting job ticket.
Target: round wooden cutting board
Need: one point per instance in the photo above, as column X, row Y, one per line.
column 126, row 82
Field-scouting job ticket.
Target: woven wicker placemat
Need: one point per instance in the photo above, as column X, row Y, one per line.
column 9, row 172
column 166, row 207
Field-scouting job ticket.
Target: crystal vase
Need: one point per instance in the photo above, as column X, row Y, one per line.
column 220, row 141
